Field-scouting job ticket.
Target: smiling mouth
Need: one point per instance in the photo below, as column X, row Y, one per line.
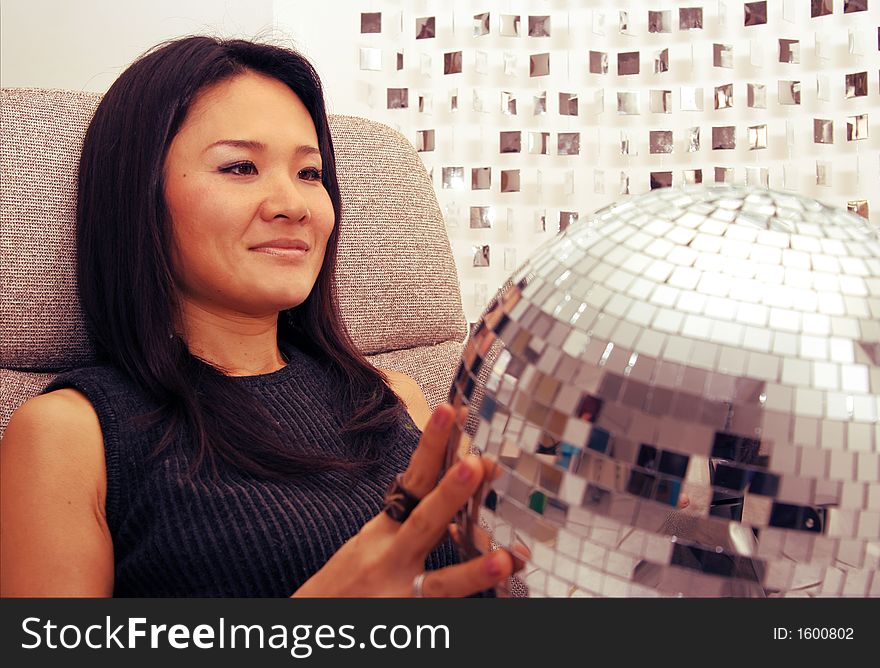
column 289, row 253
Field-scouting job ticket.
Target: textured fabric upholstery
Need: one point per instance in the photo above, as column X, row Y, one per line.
column 396, row 278
column 398, row 286
column 42, row 131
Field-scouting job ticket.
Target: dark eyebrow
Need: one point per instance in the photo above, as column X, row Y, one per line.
column 260, row 146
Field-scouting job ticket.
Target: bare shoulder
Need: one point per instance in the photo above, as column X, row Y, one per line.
column 410, row 393
column 65, row 412
column 57, row 435
column 55, row 540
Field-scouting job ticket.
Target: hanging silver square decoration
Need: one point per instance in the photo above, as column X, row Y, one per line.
column 757, row 177
column 452, row 62
column 660, row 180
column 398, row 98
column 508, row 103
column 857, row 83
column 757, row 137
column 540, row 103
column 539, row 65
column 821, row 8
column 510, row 25
column 755, row 13
column 628, row 102
column 598, row 62
column 693, row 139
column 859, row 207
column 724, row 96
column 568, row 143
column 481, row 255
column 453, row 178
column 823, row 131
column 693, row 176
column 690, row 18
column 510, row 180
column 789, row 51
column 857, row 127
column 568, row 104
column 566, row 218
column 627, row 63
column 424, row 140
column 481, row 24
column 723, row 55
column 626, row 147
column 481, row 178
column 789, row 92
column 510, row 141
column 756, row 96
column 660, row 21
column 371, row 59
column 539, row 143
column 661, row 61
column 482, row 217
column 539, row 26
column 371, row 22
column 660, row 141
column 425, row 27
column 724, row 137
column 661, row 101
column 691, row 98
column 724, row 175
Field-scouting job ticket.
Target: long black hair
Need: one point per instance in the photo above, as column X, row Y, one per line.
column 125, row 277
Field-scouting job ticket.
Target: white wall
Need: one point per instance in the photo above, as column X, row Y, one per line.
column 85, row 44
column 323, row 31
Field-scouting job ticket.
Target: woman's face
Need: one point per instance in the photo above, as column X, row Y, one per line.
column 250, row 214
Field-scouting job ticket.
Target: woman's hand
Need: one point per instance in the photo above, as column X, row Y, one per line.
column 385, row 556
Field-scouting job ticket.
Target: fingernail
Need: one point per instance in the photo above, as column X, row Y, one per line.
column 493, row 565
column 441, row 419
column 464, row 472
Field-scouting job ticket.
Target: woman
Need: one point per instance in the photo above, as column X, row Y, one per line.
column 232, row 441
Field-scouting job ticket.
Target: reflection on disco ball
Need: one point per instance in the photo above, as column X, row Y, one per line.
column 683, row 396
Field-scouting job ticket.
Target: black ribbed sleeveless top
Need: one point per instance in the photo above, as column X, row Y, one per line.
column 234, row 534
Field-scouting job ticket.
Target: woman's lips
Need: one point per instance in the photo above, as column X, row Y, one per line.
column 286, row 253
column 284, row 248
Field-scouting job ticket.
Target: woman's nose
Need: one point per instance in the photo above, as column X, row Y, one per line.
column 284, row 199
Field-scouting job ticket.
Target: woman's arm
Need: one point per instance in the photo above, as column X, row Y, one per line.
column 54, row 539
column 410, row 393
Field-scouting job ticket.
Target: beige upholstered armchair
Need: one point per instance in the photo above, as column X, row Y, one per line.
column 397, row 282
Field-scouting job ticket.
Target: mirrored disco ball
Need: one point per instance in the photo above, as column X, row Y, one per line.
column 682, row 394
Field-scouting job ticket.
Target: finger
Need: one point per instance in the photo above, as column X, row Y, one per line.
column 491, row 471
column 421, row 475
column 470, row 577
column 428, row 521
column 483, row 540
column 683, row 500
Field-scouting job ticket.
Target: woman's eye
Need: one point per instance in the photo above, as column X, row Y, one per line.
column 240, row 169
column 311, row 174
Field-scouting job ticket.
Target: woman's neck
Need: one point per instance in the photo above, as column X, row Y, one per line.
column 240, row 345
